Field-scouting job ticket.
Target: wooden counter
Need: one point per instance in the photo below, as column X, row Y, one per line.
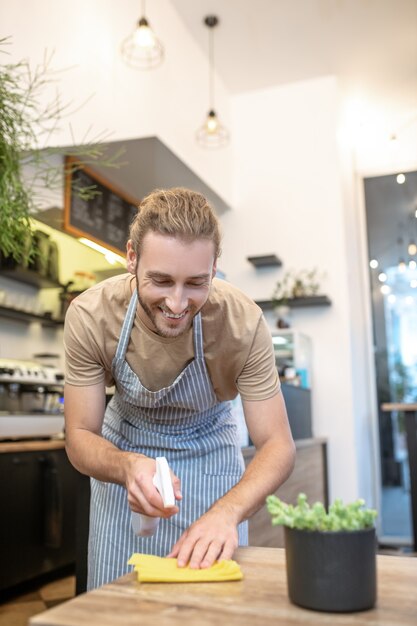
column 259, row 599
column 31, row 445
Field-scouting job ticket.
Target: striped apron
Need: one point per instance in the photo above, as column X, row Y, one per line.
column 183, row 422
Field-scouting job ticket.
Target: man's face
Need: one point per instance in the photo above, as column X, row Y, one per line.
column 173, row 279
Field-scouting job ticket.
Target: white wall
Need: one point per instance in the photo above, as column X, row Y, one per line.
column 289, row 200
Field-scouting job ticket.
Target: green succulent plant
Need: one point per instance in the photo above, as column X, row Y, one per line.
column 339, row 517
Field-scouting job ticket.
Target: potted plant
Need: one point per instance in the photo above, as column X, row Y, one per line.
column 294, row 284
column 330, row 556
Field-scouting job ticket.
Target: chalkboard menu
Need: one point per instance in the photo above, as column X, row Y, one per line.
column 104, row 218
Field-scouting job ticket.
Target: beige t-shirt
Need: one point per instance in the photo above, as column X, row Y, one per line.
column 237, row 342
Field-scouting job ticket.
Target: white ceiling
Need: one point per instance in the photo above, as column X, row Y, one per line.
column 371, row 45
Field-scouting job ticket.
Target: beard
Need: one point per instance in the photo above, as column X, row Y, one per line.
column 162, row 325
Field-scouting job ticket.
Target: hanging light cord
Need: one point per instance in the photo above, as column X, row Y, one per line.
column 212, row 134
column 211, row 22
column 211, row 68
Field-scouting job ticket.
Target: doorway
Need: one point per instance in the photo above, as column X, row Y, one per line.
column 391, row 219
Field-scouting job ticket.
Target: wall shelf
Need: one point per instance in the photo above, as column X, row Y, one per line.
column 266, row 260
column 18, row 315
column 29, row 277
column 294, row 303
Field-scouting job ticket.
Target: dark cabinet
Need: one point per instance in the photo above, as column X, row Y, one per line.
column 298, row 403
column 38, row 514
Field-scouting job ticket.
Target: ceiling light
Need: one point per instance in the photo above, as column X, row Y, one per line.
column 212, row 134
column 373, row 263
column 412, row 248
column 400, row 179
column 142, row 49
column 412, row 265
column 110, row 256
column 382, row 277
column 413, row 284
column 385, row 289
column 391, row 298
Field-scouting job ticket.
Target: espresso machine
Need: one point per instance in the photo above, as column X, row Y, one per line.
column 31, row 400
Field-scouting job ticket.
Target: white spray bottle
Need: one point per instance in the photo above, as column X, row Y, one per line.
column 143, row 525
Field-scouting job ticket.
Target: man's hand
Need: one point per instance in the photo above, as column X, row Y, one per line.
column 210, row 538
column 142, row 495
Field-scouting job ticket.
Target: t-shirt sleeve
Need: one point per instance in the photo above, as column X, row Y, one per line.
column 82, row 364
column 259, row 378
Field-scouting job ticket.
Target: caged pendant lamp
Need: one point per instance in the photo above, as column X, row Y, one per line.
column 142, row 49
column 212, row 134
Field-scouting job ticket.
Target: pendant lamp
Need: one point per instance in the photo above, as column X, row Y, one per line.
column 212, row 134
column 142, row 49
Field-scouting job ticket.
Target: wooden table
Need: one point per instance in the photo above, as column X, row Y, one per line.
column 259, row 599
column 410, row 411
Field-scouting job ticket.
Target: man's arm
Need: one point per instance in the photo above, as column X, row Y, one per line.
column 93, row 455
column 214, row 535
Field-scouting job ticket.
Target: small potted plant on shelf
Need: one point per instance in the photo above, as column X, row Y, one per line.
column 330, row 556
column 294, row 284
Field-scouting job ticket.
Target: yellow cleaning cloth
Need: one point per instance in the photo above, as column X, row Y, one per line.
column 156, row 569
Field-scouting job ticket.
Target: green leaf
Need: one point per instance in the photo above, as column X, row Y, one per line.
column 349, row 517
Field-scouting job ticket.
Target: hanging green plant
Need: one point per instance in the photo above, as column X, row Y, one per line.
column 24, row 124
column 16, row 135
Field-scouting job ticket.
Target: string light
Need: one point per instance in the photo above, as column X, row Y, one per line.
column 402, row 266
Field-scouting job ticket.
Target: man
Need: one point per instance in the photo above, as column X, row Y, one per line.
column 178, row 344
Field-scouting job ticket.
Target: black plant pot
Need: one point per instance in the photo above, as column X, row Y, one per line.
column 331, row 571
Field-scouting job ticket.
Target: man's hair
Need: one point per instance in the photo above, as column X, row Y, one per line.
column 176, row 212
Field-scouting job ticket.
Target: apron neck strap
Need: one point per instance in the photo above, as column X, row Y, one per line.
column 198, row 337
column 127, row 326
